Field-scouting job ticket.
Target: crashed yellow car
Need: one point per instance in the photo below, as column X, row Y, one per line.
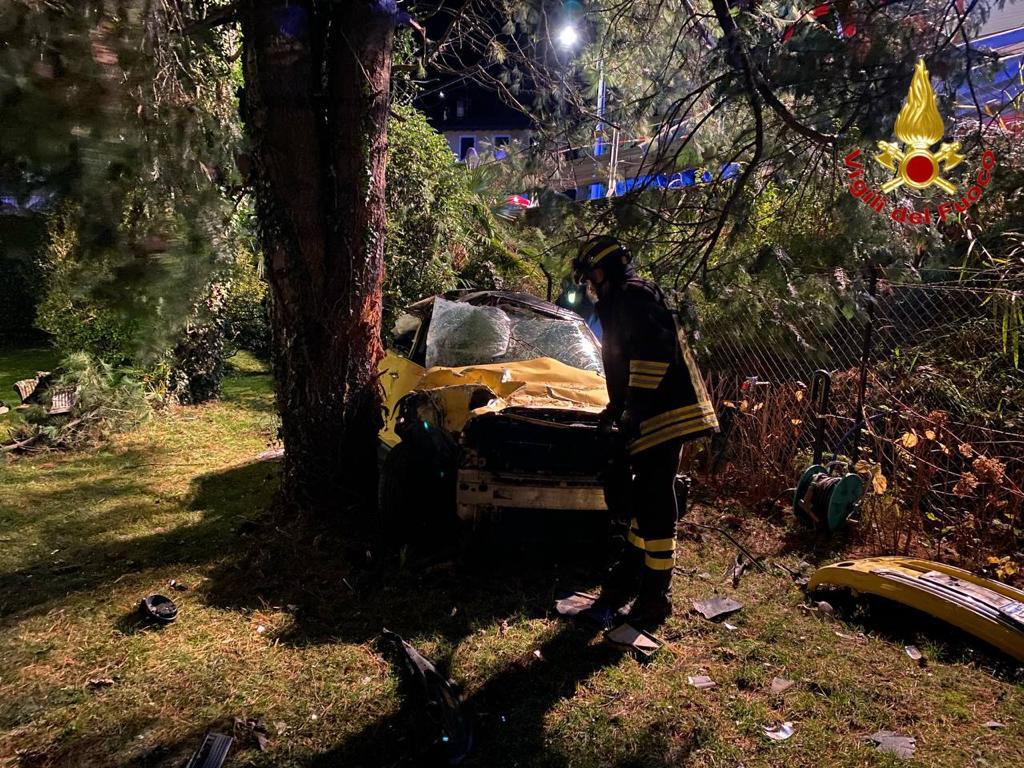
column 492, row 401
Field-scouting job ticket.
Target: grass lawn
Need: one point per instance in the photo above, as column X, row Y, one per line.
column 281, row 626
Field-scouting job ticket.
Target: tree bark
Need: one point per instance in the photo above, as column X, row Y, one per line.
column 317, row 79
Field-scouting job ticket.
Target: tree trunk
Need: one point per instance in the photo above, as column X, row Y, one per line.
column 317, row 78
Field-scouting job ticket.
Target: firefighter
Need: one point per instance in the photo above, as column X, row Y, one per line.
column 656, row 402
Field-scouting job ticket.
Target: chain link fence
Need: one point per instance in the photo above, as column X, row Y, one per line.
column 939, row 434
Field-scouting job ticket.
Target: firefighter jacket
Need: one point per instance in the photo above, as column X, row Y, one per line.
column 655, row 390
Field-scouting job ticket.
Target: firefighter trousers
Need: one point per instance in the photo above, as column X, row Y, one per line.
column 641, row 496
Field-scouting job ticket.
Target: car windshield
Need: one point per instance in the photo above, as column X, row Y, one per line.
column 462, row 334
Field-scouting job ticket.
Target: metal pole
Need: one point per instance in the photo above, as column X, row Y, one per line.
column 597, row 190
column 865, row 355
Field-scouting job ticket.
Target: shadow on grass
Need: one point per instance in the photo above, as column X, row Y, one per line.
column 339, row 593
column 509, row 712
column 229, row 502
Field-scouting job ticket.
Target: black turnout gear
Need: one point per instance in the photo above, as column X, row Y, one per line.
column 658, row 400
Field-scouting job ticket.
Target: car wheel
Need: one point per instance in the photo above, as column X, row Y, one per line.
column 416, row 501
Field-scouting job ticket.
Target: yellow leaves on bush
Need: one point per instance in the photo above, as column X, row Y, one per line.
column 966, row 450
column 1004, row 567
column 879, row 483
column 909, row 439
column 930, row 434
column 799, row 395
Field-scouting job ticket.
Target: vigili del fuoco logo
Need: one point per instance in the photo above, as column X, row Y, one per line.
column 913, row 163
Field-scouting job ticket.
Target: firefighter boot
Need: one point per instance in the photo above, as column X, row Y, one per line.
column 654, row 604
column 619, row 586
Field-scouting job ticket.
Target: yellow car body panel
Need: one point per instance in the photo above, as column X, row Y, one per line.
column 539, row 383
column 984, row 608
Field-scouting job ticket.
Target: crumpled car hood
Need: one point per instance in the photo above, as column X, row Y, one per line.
column 540, row 383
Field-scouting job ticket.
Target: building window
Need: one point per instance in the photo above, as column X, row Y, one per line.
column 460, row 108
column 466, row 143
column 501, row 146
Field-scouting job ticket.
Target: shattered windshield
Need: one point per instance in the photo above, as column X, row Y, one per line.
column 462, row 334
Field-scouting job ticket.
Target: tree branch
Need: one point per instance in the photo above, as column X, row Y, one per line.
column 740, row 60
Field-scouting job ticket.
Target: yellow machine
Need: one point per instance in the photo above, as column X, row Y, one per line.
column 492, row 402
column 984, row 608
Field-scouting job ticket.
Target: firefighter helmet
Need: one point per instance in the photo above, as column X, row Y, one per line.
column 603, row 251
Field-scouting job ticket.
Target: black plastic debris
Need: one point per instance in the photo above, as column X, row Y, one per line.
column 212, row 752
column 714, row 607
column 159, row 608
column 894, row 743
column 574, row 604
column 445, row 731
column 253, row 729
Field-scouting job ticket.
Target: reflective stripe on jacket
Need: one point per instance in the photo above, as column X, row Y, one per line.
column 652, row 375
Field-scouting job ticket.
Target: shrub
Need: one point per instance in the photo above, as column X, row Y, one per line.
column 188, row 369
column 247, row 301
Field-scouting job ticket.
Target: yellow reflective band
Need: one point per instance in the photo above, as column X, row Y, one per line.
column 647, row 366
column 679, row 414
column 660, row 545
column 698, row 424
column 635, row 540
column 634, row 524
column 643, row 381
column 658, row 563
column 601, row 254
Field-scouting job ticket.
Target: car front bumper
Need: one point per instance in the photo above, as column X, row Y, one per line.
column 480, row 491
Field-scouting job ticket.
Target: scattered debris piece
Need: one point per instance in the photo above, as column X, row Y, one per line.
column 738, row 568
column 212, row 752
column 100, row 682
column 176, row 585
column 779, row 732
column 781, row 685
column 271, row 454
column 574, row 604
column 714, row 607
column 159, row 608
column 730, row 627
column 3, row 409
column 914, row 653
column 450, row 730
column 992, row 724
column 537, row 654
column 254, row 728
column 628, row 637
column 260, row 629
column 825, row 608
column 503, row 627
column 894, row 743
column 63, row 400
column 702, row 682
column 26, row 388
column 280, row 726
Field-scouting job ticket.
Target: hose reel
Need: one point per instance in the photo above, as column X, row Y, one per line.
column 825, row 495
column 825, row 500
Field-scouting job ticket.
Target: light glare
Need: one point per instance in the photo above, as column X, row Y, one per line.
column 568, row 36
